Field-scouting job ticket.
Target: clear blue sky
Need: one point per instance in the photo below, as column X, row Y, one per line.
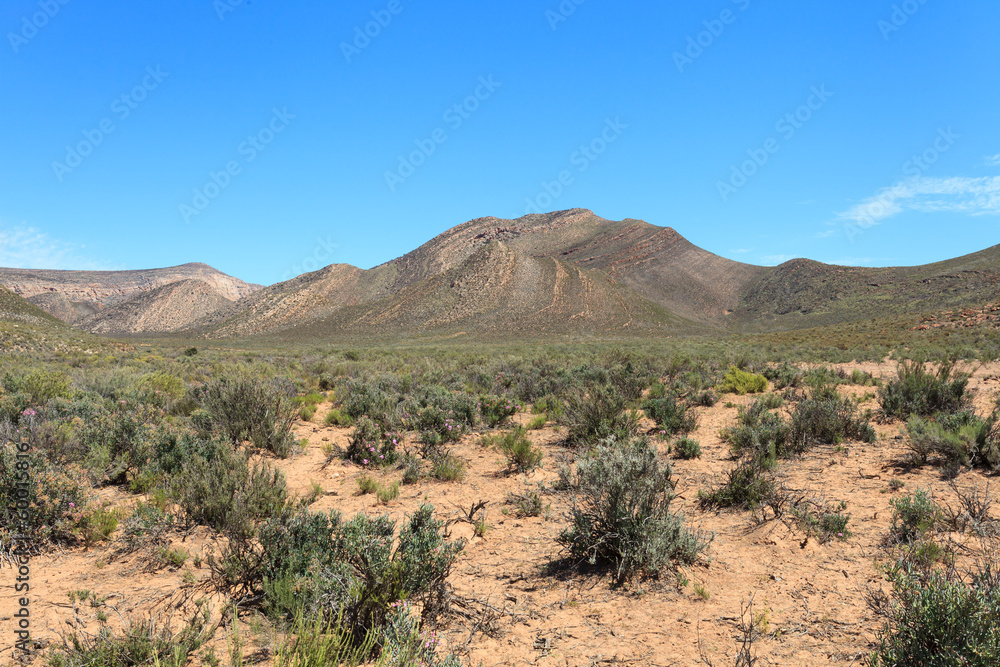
column 310, row 118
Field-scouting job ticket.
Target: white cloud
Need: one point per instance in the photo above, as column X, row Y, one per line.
column 972, row 196
column 992, row 160
column 827, row 234
column 24, row 247
column 741, row 251
column 774, row 260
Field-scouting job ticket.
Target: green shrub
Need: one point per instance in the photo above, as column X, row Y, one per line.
column 139, row 644
column 367, row 485
column 669, row 415
column 537, row 423
column 550, row 406
column 599, row 415
column 686, row 448
column 228, row 493
column 387, row 494
column 830, row 419
column 52, row 494
column 496, row 410
column 913, row 516
column 939, row 619
column 784, row 376
column 38, row 386
column 621, row 514
column 761, row 434
column 337, row 418
column 250, row 409
column 956, row 439
column 370, row 446
column 521, row 455
column 447, row 467
column 917, row 392
column 736, row 381
column 119, row 442
column 749, row 486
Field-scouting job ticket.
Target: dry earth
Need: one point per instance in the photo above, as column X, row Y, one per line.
column 809, row 595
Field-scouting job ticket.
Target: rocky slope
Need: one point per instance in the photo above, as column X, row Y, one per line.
column 165, row 309
column 73, row 296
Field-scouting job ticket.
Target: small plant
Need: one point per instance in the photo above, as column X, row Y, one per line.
column 367, row 485
column 173, row 557
column 701, row 591
column 669, row 415
column 411, row 469
column 537, row 423
column 387, row 494
column 527, row 504
column 370, row 446
column 496, row 410
column 740, row 382
column 448, row 468
column 686, row 449
column 521, row 455
column 748, row 486
column 336, row 418
column 913, row 516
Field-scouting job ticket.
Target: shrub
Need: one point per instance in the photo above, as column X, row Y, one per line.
column 940, row 618
column 367, row 485
column 550, row 406
column 686, row 448
column 599, row 415
column 448, row 468
column 389, row 493
column 828, row 418
column 228, row 493
column 759, row 433
column 917, row 392
column 749, row 486
column 138, row 644
column 521, row 455
column 669, row 415
column 537, row 423
column 957, row 438
column 913, row 516
column 736, row 381
column 621, row 514
column 53, row 493
column 337, row 418
column 783, row 376
column 119, row 442
column 354, row 572
column 370, row 446
column 496, row 410
column 249, row 409
column 38, row 386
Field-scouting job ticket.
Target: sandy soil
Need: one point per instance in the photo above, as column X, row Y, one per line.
column 809, row 597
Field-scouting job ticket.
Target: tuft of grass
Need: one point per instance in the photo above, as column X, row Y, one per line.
column 367, row 485
column 521, row 455
column 448, row 468
column 686, row 449
column 537, row 422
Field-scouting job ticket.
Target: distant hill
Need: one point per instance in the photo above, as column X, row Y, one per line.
column 169, row 308
column 14, row 308
column 72, row 296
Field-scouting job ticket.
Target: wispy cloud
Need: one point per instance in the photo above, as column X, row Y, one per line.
column 972, row 196
column 741, row 251
column 826, row 234
column 992, row 160
column 774, row 260
column 25, row 247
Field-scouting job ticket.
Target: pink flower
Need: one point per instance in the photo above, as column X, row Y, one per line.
column 28, row 413
column 366, row 461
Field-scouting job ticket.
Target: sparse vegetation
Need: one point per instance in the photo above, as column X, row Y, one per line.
column 741, row 382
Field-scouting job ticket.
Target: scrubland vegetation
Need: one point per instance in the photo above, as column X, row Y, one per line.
column 190, row 437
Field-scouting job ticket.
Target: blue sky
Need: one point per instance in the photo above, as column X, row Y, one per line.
column 267, row 139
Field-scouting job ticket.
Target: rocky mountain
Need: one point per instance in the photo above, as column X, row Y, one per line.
column 73, row 296
column 564, row 273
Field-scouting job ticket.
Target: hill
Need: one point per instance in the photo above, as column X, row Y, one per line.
column 169, row 308
column 73, row 296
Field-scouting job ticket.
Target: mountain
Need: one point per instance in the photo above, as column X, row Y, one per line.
column 73, row 296
column 169, row 308
column 14, row 308
column 564, row 272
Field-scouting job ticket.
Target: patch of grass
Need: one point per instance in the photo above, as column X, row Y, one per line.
column 448, row 468
column 387, row 494
column 537, row 423
column 337, row 418
column 367, row 485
